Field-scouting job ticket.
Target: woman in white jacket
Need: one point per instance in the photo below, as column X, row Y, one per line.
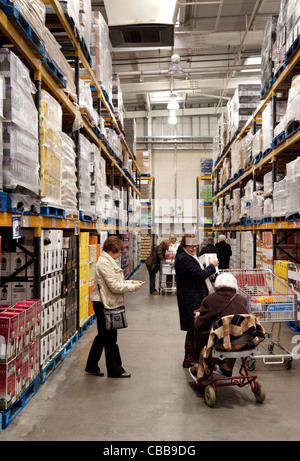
column 109, row 290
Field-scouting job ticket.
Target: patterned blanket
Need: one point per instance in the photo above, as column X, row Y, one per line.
column 227, row 329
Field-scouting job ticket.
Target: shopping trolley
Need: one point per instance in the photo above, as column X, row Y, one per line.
column 271, row 301
column 167, row 280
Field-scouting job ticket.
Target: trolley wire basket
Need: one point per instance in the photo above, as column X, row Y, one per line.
column 270, row 300
column 167, row 279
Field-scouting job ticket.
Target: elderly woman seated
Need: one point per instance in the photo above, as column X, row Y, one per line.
column 224, row 301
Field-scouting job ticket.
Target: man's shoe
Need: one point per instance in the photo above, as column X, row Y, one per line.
column 155, row 293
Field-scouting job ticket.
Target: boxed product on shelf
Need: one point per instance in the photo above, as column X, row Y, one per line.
column 279, row 198
column 85, row 20
column 85, row 176
column 293, row 187
column 293, row 23
column 293, row 104
column 100, row 52
column 206, row 165
column 51, row 150
column 280, row 45
column 267, row 55
column 69, row 181
column 241, row 106
column 130, row 133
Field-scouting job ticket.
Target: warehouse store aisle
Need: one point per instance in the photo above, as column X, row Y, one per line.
column 159, row 402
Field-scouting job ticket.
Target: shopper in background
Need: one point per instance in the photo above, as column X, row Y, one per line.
column 153, row 263
column 224, row 252
column 174, row 244
column 224, row 301
column 192, row 286
column 209, row 248
column 109, row 290
column 173, row 247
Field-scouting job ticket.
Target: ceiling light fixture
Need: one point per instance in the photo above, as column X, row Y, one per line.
column 175, row 68
column 173, row 104
column 172, row 119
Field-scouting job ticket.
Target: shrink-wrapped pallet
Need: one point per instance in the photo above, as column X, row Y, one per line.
column 69, row 178
column 293, row 187
column 279, row 198
column 267, row 56
column 20, row 126
column 51, row 150
column 100, row 47
column 85, row 148
column 293, row 105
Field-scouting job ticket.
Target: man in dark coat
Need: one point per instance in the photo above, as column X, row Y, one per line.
column 191, row 289
column 209, row 248
column 224, row 252
column 225, row 301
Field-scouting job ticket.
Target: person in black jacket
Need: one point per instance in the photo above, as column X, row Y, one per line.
column 192, row 282
column 209, row 248
column 224, row 252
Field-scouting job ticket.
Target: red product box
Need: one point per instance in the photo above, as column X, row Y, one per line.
column 38, row 315
column 7, row 384
column 30, row 308
column 9, row 326
column 25, row 368
column 21, row 331
column 19, row 374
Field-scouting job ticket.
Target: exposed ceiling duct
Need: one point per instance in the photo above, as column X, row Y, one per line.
column 140, row 23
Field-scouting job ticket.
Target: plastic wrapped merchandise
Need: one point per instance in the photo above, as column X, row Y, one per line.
column 236, row 157
column 71, row 10
column 100, row 47
column 85, row 20
column 236, row 205
column 84, row 175
column 268, row 184
column 257, row 143
column 280, row 44
column 293, row 105
column 279, row 198
column 35, row 12
column 69, row 179
column 293, row 15
column 267, row 127
column 86, row 99
column 268, row 207
column 293, row 187
column 267, row 59
column 51, row 150
column 247, row 148
column 257, row 205
column 19, row 91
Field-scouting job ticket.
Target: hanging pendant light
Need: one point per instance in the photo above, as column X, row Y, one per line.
column 173, row 104
column 172, row 119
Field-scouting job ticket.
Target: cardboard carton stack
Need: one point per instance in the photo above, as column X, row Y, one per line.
column 52, row 300
column 69, row 287
column 20, row 330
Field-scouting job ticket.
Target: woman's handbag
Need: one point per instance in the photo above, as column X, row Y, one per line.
column 115, row 318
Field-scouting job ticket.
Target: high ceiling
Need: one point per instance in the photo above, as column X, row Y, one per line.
column 213, row 38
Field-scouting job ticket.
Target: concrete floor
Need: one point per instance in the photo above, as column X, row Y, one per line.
column 159, row 402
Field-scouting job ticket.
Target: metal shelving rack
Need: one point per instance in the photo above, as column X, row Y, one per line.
column 285, row 152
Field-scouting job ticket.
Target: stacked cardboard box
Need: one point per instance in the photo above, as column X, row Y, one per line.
column 51, row 150
column 20, row 330
column 20, row 133
column 146, row 246
column 83, row 277
column 69, row 287
column 144, row 162
column 51, row 291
